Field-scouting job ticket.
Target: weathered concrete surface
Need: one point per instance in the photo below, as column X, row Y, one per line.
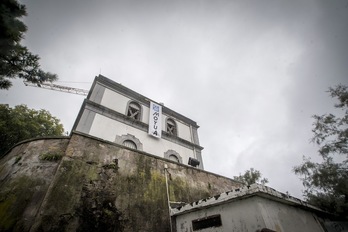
column 250, row 208
column 253, row 213
column 101, row 186
column 25, row 176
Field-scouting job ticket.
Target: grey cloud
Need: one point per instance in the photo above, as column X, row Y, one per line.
column 251, row 73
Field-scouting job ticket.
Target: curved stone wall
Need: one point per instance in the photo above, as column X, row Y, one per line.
column 87, row 184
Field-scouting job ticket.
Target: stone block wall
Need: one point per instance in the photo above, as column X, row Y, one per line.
column 101, row 186
column 25, row 176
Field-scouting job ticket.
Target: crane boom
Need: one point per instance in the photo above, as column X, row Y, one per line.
column 55, row 87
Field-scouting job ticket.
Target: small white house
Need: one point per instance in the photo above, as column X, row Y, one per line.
column 115, row 113
column 254, row 208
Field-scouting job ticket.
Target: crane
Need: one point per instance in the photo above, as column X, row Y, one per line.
column 51, row 86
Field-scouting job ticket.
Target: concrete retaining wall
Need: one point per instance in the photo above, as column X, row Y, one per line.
column 94, row 186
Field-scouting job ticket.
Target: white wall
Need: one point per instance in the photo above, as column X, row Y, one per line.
column 118, row 102
column 107, row 129
column 114, row 101
column 252, row 214
column 240, row 217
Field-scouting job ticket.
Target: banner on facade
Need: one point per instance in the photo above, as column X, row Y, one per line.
column 155, row 120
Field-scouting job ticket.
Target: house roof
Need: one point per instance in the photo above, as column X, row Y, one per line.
column 243, row 193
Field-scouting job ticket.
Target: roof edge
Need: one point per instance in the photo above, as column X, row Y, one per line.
column 242, row 193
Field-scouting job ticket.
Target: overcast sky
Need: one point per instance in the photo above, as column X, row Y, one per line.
column 250, row 73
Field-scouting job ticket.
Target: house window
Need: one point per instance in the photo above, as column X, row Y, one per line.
column 171, row 127
column 130, row 141
column 130, row 144
column 134, row 110
column 207, row 222
column 173, row 156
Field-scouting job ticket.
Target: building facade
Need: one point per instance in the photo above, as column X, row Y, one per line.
column 115, row 113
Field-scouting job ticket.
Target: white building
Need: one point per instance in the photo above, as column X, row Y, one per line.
column 115, row 113
column 255, row 208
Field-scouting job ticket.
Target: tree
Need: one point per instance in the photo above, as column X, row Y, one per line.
column 15, row 59
column 251, row 176
column 326, row 182
column 20, row 123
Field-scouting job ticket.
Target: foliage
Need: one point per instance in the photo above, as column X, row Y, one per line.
column 18, row 158
column 326, row 183
column 251, row 176
column 50, row 156
column 113, row 165
column 15, row 59
column 20, row 123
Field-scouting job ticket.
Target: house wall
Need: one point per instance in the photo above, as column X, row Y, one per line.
column 107, row 128
column 283, row 217
column 104, row 116
column 118, row 102
column 253, row 214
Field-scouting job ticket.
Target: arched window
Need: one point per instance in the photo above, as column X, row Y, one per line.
column 130, row 144
column 134, row 110
column 171, row 127
column 130, row 141
column 173, row 156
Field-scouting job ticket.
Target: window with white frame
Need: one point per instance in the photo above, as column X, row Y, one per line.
column 130, row 144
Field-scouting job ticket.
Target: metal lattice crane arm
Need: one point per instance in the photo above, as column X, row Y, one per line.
column 60, row 88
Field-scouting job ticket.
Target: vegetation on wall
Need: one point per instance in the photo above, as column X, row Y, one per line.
column 96, row 186
column 50, row 156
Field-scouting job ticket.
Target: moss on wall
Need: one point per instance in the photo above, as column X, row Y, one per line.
column 14, row 199
column 102, row 199
column 50, row 156
column 24, row 180
column 100, row 186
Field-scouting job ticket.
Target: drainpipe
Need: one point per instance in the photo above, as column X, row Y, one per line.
column 168, row 200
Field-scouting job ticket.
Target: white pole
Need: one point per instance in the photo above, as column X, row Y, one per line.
column 169, row 209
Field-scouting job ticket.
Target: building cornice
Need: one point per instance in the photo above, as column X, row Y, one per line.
column 242, row 193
